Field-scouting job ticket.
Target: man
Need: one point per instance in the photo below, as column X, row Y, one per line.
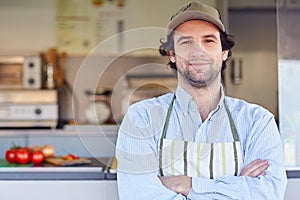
column 198, row 143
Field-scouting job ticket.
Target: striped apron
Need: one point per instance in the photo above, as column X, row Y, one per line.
column 207, row 160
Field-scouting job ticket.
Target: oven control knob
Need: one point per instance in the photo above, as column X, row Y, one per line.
column 31, row 81
column 31, row 65
column 38, row 111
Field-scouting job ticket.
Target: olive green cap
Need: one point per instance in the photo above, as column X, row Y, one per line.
column 193, row 11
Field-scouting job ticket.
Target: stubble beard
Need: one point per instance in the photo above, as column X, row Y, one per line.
column 199, row 79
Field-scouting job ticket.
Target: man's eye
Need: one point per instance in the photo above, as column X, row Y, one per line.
column 186, row 42
column 209, row 41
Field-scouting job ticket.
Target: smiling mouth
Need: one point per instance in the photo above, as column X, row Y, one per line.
column 199, row 65
column 199, row 62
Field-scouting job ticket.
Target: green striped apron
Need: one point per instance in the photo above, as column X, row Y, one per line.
column 207, row 160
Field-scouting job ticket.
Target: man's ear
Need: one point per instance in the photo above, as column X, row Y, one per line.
column 225, row 55
column 171, row 56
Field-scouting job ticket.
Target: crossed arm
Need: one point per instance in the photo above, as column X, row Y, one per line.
column 260, row 179
column 137, row 178
column 183, row 184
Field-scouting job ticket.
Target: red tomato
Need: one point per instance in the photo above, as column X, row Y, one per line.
column 37, row 157
column 29, row 150
column 10, row 156
column 22, row 156
column 73, row 156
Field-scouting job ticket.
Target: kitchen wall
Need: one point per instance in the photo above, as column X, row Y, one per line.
column 256, row 51
column 256, row 47
column 28, row 28
column 97, row 72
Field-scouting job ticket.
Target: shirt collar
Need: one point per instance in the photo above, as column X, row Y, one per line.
column 184, row 100
column 220, row 104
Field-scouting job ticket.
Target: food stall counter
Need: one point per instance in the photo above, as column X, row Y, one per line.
column 96, row 169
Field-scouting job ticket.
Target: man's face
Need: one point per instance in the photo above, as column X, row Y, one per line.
column 198, row 53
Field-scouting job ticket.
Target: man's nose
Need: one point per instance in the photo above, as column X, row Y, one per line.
column 197, row 49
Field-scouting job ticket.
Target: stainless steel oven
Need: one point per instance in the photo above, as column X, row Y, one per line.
column 28, row 108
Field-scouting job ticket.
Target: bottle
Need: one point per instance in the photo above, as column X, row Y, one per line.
column 50, row 77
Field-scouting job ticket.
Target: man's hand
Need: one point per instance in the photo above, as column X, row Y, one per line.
column 179, row 184
column 255, row 168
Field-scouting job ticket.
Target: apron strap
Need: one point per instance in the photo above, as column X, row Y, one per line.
column 211, row 160
column 185, row 158
column 232, row 126
column 164, row 133
column 235, row 138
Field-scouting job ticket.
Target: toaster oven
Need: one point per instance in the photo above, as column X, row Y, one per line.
column 20, row 72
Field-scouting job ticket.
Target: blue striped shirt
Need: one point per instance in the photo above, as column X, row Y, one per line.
column 141, row 129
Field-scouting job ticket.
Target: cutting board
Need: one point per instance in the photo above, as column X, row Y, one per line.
column 113, row 166
column 60, row 161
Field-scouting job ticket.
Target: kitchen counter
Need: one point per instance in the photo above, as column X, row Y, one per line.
column 293, row 172
column 98, row 169
column 90, row 181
